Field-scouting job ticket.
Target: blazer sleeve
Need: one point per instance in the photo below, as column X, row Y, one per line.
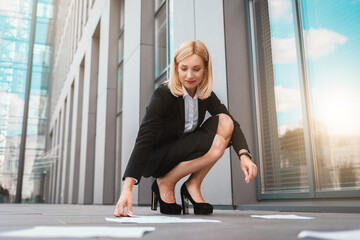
column 238, row 140
column 155, row 112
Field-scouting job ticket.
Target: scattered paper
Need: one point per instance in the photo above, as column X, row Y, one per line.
column 158, row 219
column 291, row 217
column 333, row 235
column 79, row 232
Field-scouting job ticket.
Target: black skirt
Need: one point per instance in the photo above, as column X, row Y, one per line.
column 190, row 146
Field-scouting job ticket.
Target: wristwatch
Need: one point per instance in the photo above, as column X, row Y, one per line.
column 245, row 153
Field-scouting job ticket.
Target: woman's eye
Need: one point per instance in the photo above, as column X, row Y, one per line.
column 197, row 69
column 184, row 69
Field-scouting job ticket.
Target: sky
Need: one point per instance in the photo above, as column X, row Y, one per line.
column 331, row 32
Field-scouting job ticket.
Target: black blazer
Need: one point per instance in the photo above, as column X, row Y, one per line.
column 164, row 123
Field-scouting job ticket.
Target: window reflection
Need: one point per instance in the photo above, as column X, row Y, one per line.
column 160, row 41
column 326, row 95
column 332, row 51
column 283, row 162
column 15, row 23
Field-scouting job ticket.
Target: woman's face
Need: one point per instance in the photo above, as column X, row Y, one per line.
column 191, row 72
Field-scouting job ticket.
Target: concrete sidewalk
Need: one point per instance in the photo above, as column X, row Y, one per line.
column 234, row 224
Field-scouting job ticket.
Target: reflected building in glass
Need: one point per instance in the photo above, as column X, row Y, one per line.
column 15, row 20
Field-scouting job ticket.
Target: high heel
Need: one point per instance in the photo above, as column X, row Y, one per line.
column 166, row 208
column 199, row 208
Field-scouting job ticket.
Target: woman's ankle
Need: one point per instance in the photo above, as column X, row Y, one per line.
column 166, row 191
column 194, row 189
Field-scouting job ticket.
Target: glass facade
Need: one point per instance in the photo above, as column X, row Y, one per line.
column 160, row 40
column 119, row 107
column 332, row 50
column 15, row 21
column 306, row 98
column 164, row 38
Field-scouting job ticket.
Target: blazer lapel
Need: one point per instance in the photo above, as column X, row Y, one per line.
column 202, row 111
column 182, row 109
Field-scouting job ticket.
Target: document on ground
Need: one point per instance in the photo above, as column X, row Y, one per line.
column 282, row 216
column 333, row 235
column 158, row 219
column 79, row 232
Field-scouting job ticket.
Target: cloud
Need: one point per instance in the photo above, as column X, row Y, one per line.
column 279, row 9
column 283, row 50
column 318, row 42
column 287, row 99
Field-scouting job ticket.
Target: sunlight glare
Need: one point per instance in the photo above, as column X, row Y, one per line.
column 338, row 110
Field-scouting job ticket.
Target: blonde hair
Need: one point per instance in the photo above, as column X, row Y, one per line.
column 184, row 50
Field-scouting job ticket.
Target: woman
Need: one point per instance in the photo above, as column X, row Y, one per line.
column 172, row 143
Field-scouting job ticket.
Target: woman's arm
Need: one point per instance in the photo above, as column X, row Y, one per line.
column 238, row 140
column 125, row 200
column 156, row 111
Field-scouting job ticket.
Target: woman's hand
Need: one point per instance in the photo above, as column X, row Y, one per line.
column 248, row 167
column 125, row 200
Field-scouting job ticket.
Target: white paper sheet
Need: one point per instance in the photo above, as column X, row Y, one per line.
column 289, row 217
column 79, row 232
column 333, row 235
column 158, row 219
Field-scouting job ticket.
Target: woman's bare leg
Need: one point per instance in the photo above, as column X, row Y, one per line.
column 198, row 167
column 193, row 184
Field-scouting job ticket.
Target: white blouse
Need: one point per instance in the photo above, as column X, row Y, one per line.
column 191, row 110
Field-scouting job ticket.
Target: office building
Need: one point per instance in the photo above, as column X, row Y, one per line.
column 286, row 70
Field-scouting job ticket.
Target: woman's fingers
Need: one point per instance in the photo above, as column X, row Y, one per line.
column 125, row 201
column 250, row 170
column 129, row 209
column 245, row 171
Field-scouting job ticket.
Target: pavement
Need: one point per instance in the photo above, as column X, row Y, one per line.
column 235, row 224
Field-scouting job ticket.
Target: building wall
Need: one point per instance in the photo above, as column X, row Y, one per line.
column 239, row 92
column 84, row 81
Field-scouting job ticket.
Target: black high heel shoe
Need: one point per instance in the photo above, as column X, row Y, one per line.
column 199, row 208
column 165, row 208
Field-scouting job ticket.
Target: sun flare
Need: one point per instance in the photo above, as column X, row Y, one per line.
column 338, row 110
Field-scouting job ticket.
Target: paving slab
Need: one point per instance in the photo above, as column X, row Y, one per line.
column 235, row 224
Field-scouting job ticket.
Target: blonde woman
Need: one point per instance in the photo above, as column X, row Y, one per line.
column 173, row 141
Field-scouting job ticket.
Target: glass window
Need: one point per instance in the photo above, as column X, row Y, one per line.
column 122, row 16
column 120, row 88
column 306, row 94
column 119, row 98
column 120, row 58
column 121, row 49
column 158, row 4
column 15, row 24
column 280, row 113
column 332, row 50
column 160, row 41
column 118, row 156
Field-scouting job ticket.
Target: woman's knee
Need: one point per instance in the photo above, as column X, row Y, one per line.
column 226, row 124
column 218, row 147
